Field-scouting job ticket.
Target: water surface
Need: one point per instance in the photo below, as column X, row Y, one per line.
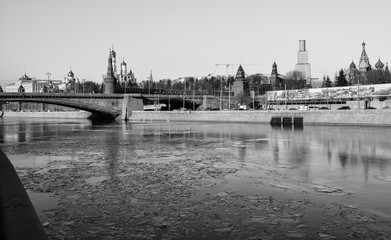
column 354, row 160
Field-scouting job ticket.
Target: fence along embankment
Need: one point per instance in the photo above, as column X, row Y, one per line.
column 368, row 117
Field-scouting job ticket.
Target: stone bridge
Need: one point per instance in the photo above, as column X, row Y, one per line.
column 102, row 106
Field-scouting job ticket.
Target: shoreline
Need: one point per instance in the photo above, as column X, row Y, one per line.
column 62, row 115
column 379, row 118
column 376, row 118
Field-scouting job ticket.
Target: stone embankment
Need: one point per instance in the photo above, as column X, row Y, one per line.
column 18, row 219
column 62, row 115
column 370, row 117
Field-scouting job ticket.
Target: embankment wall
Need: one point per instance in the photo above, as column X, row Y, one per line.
column 18, row 219
column 370, row 117
column 61, row 115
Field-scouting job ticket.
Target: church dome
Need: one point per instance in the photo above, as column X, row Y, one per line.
column 379, row 64
column 70, row 74
column 352, row 65
column 25, row 77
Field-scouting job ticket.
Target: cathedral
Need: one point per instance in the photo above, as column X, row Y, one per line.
column 364, row 65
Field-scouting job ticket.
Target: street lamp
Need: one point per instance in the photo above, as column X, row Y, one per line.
column 83, row 86
column 169, row 104
column 48, row 74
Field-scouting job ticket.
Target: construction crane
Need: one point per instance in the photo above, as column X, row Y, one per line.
column 236, row 64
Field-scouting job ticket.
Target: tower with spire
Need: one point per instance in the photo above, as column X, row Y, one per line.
column 113, row 55
column 110, row 80
column 240, row 84
column 274, row 75
column 364, row 64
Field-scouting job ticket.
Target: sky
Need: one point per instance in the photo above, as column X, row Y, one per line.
column 179, row 38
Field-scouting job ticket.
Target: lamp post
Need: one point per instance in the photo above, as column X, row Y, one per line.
column 48, row 84
column 286, row 97
column 184, row 92
column 83, row 86
column 358, row 92
column 221, row 93
column 169, row 103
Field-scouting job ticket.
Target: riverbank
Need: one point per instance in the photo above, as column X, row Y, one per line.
column 18, row 219
column 204, row 181
column 61, row 115
column 370, row 117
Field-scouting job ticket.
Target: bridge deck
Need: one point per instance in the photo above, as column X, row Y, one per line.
column 65, row 95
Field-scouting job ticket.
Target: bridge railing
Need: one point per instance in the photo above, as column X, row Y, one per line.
column 151, row 91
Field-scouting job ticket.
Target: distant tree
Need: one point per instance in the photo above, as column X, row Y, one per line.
column 90, row 87
column 295, row 75
column 355, row 77
column 326, row 83
column 102, row 87
column 377, row 76
column 340, row 80
column 387, row 76
column 243, row 98
column 1, row 89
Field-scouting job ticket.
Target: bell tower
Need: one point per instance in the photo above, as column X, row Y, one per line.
column 110, row 78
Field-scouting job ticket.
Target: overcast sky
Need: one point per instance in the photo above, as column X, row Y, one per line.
column 177, row 38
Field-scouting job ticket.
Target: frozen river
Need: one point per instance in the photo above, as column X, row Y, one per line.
column 350, row 165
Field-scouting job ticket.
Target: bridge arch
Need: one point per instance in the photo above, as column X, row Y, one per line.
column 101, row 106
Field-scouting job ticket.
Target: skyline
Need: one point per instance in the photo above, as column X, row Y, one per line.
column 175, row 38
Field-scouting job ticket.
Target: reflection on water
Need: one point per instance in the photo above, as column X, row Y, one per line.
column 357, row 159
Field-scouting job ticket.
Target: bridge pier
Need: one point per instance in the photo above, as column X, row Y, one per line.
column 130, row 104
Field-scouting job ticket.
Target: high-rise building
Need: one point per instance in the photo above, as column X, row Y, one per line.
column 303, row 65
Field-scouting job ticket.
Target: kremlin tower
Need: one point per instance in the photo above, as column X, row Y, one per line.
column 110, row 80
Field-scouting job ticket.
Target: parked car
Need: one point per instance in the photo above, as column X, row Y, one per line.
column 303, row 108
column 324, row 108
column 313, row 108
column 243, row 107
column 292, row 109
column 370, row 108
column 344, row 108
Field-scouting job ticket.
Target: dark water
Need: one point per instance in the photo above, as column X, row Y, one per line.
column 354, row 159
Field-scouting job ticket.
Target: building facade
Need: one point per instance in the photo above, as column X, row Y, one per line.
column 303, row 65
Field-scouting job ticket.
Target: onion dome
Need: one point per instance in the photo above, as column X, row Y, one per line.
column 379, row 64
column 123, row 63
column 70, row 74
column 352, row 65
